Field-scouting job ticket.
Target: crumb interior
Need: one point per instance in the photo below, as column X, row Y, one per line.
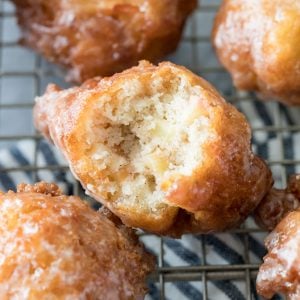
column 147, row 134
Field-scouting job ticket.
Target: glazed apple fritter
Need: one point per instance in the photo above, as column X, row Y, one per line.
column 258, row 42
column 56, row 247
column 101, row 37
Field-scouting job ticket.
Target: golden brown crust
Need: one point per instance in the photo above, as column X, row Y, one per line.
column 258, row 42
column 41, row 187
column 91, row 38
column 221, row 192
column 278, row 203
column 54, row 246
column 280, row 272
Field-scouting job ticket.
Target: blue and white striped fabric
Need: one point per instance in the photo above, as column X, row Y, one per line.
column 276, row 144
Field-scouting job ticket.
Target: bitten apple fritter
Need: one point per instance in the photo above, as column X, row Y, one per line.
column 159, row 147
column 101, row 37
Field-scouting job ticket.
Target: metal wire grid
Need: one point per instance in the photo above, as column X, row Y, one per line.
column 193, row 52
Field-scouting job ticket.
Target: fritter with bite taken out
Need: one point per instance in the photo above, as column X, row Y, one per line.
column 159, row 147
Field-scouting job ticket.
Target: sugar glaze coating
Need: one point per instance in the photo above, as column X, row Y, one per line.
column 99, row 38
column 55, row 247
column 280, row 272
column 258, row 42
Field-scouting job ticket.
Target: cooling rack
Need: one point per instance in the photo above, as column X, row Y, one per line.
column 276, row 134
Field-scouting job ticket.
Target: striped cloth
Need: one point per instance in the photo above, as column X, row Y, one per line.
column 192, row 250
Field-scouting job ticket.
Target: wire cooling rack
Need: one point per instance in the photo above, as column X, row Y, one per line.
column 276, row 134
